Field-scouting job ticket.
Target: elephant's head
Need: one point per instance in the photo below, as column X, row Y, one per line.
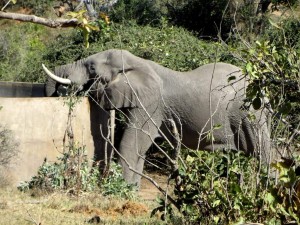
column 116, row 78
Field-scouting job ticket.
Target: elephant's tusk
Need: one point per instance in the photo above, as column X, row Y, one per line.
column 56, row 78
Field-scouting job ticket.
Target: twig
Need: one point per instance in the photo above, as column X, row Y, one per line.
column 141, row 174
column 5, row 5
column 32, row 219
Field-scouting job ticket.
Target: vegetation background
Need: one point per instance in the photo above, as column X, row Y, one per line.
column 262, row 37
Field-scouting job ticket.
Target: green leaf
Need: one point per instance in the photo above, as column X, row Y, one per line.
column 216, row 219
column 251, row 116
column 274, row 24
column 249, row 67
column 240, row 221
column 216, row 203
column 285, row 108
column 251, row 91
column 189, row 159
column 217, row 126
column 231, row 78
column 237, row 207
column 256, row 103
column 92, row 27
column 269, row 198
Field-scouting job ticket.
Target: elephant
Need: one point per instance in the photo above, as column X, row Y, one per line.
column 204, row 105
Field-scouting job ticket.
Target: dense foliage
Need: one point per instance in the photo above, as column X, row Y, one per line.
column 39, row 8
column 227, row 187
column 164, row 44
column 21, row 48
column 203, row 17
column 8, row 146
column 73, row 173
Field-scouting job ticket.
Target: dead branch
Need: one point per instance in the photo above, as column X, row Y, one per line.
column 141, row 174
column 53, row 23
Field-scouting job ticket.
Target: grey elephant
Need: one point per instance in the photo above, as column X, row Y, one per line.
column 151, row 96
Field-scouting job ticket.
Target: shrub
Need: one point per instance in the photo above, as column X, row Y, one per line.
column 202, row 17
column 115, row 185
column 73, row 173
column 144, row 12
column 273, row 73
column 39, row 8
column 21, row 48
column 286, row 31
column 8, row 146
column 8, row 153
column 206, row 18
column 227, row 187
column 170, row 46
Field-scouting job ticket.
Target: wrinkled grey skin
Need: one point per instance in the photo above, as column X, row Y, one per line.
column 124, row 81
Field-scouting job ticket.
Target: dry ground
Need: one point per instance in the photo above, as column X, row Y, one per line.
column 150, row 193
column 18, row 208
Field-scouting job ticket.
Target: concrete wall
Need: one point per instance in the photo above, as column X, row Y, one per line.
column 19, row 89
column 38, row 125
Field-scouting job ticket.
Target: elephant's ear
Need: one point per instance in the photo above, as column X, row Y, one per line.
column 131, row 88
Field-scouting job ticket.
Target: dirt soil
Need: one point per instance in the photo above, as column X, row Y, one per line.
column 148, row 191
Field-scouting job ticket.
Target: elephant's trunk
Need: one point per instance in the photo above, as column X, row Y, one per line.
column 56, row 78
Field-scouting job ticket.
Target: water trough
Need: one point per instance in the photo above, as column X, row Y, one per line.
column 38, row 124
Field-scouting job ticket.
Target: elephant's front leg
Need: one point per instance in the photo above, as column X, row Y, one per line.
column 136, row 140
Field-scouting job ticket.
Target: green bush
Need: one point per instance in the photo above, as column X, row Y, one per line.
column 144, row 12
column 27, row 46
column 8, row 146
column 21, row 50
column 114, row 184
column 273, row 72
column 39, row 8
column 287, row 31
column 206, row 18
column 170, row 46
column 73, row 173
column 227, row 187
column 202, row 17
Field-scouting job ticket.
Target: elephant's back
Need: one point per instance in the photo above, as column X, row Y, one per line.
column 215, row 71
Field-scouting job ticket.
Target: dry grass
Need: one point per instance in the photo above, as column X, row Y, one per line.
column 60, row 208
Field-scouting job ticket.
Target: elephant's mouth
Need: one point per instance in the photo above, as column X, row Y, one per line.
column 62, row 90
column 99, row 85
column 104, row 80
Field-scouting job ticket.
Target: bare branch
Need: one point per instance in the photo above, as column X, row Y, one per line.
column 53, row 23
column 139, row 173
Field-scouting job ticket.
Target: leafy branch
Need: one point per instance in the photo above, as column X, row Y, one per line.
column 86, row 25
column 80, row 19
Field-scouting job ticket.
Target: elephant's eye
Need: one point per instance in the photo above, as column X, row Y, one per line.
column 124, row 70
column 91, row 69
